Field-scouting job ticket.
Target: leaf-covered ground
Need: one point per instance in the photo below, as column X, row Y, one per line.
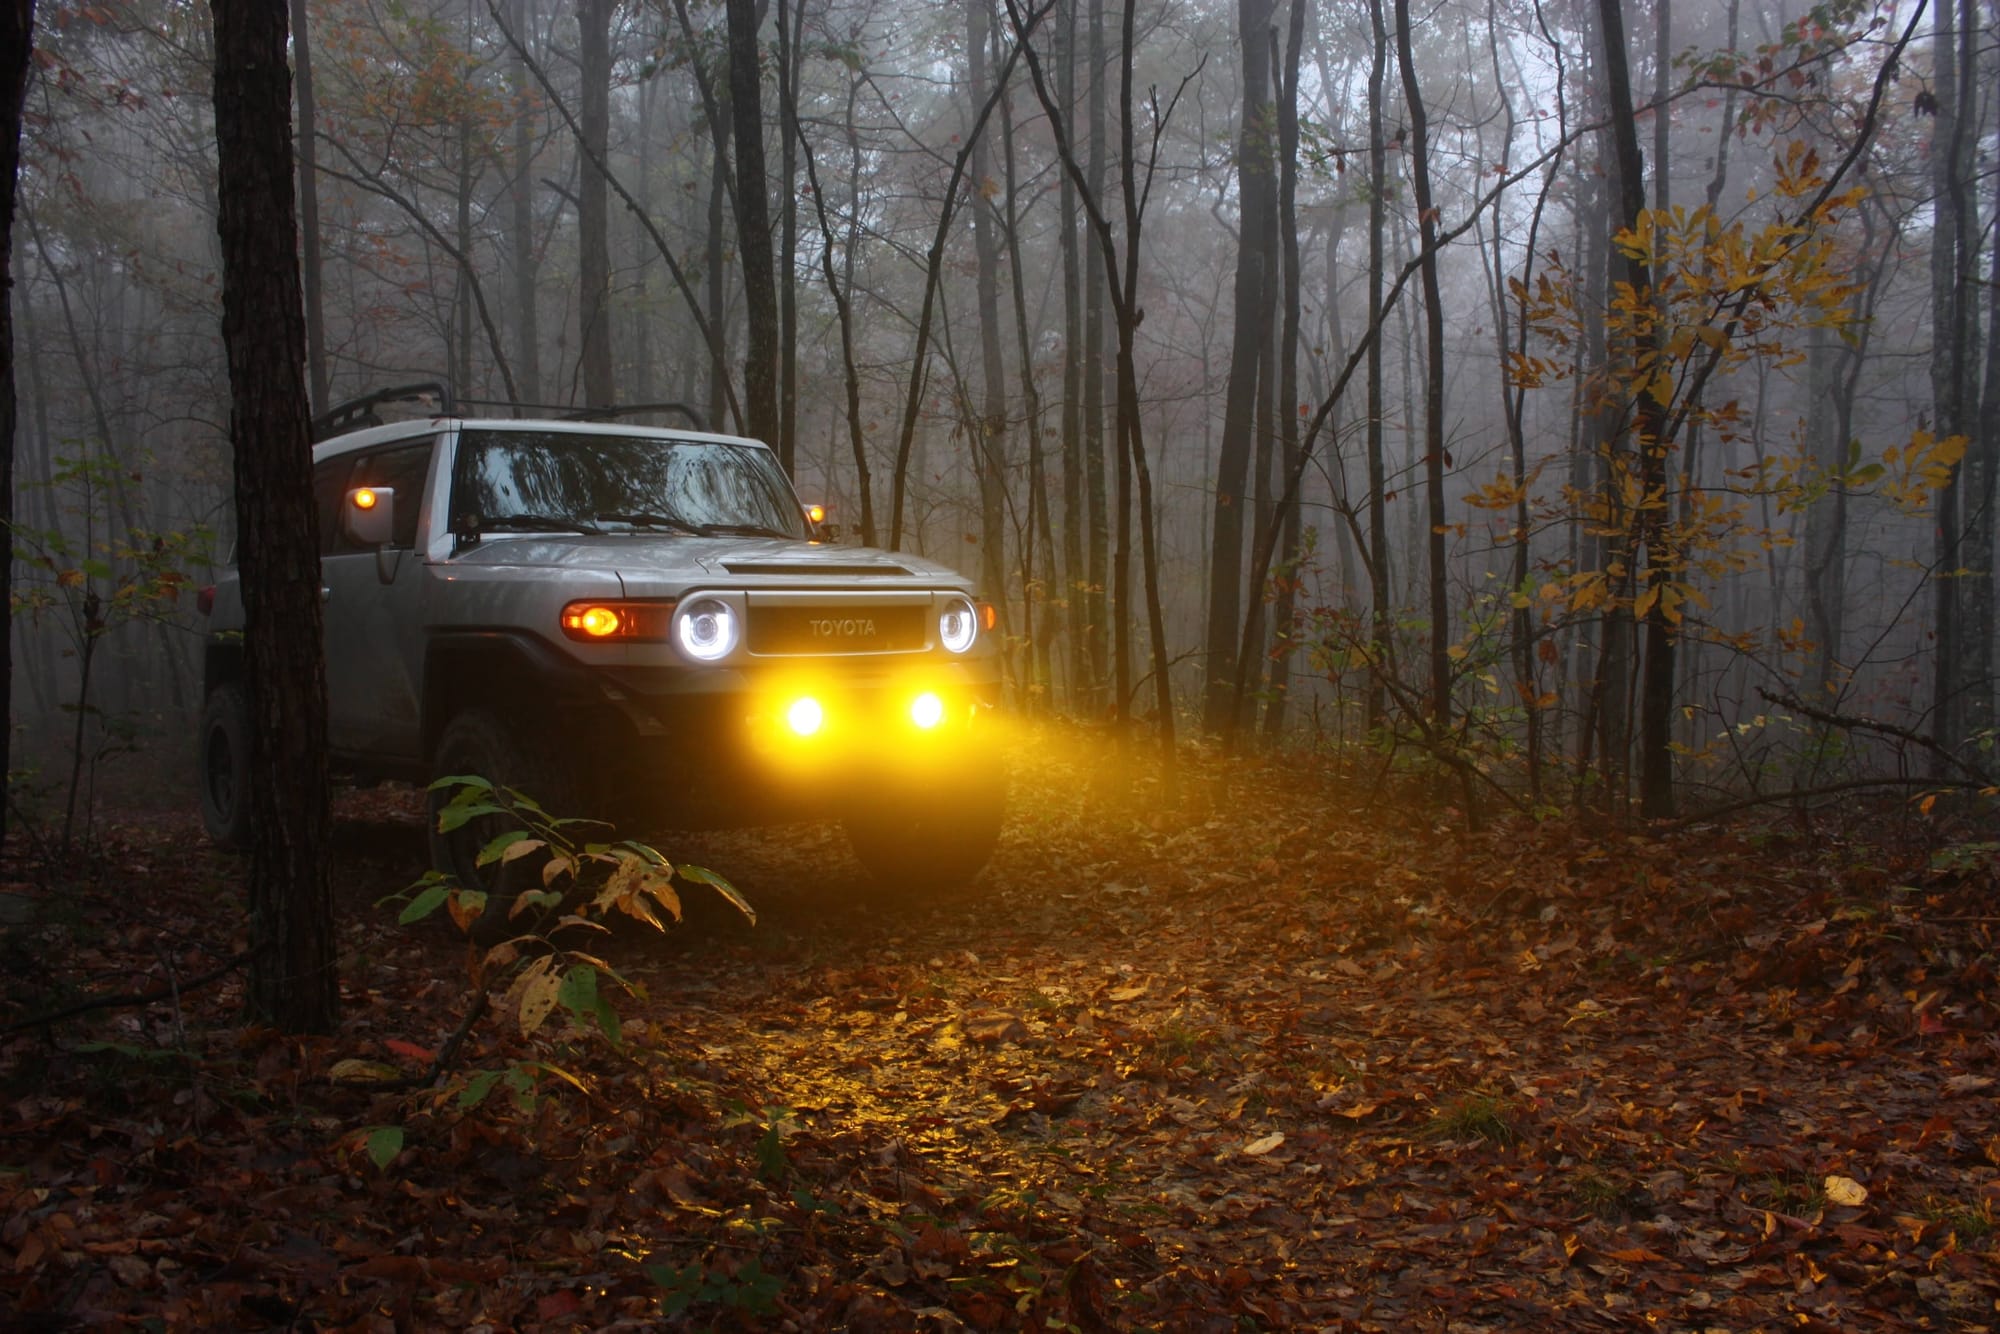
column 1284, row 1055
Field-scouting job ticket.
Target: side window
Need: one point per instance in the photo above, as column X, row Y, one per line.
column 404, row 467
column 329, row 485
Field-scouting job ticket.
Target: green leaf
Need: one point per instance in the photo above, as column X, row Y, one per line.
column 384, row 1143
column 423, row 905
column 499, row 847
column 456, row 816
column 578, row 992
column 701, row 875
column 476, row 1089
column 473, row 781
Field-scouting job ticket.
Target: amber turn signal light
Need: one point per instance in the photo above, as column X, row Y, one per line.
column 597, row 622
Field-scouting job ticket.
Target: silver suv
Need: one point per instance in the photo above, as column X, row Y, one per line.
column 633, row 624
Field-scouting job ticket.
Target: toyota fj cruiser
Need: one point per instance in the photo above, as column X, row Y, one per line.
column 629, row 623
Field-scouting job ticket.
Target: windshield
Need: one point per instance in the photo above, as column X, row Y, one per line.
column 590, row 482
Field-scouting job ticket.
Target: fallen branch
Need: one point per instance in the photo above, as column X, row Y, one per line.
column 1972, row 771
column 171, row 990
column 1829, row 790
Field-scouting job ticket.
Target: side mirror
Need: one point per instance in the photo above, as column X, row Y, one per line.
column 816, row 523
column 368, row 515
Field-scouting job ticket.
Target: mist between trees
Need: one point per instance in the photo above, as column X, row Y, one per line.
column 1595, row 401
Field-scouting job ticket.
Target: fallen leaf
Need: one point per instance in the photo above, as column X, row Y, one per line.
column 1257, row 1148
column 1846, row 1191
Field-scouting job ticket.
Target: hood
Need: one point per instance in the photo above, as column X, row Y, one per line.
column 652, row 564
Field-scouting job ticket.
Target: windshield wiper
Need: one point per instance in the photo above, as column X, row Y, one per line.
column 742, row 530
column 644, row 519
column 537, row 523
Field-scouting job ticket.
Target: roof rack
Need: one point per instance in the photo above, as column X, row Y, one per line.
column 427, row 398
column 611, row 412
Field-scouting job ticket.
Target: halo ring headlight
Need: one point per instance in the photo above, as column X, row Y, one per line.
column 706, row 629
column 958, row 625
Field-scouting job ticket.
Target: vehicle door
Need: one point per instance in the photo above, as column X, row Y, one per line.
column 374, row 606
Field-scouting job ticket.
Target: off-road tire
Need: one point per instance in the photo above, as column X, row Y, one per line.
column 222, row 766
column 480, row 743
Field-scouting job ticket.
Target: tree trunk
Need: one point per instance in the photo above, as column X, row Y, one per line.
column 593, row 217
column 1075, row 572
column 292, row 983
column 521, row 204
column 1036, row 578
column 1650, row 547
column 1288, row 369
column 1249, row 349
column 17, row 36
column 309, row 209
column 753, row 232
column 1980, row 534
column 1379, row 621
column 1947, row 364
column 791, row 62
column 1427, row 230
column 1095, row 291
column 990, row 431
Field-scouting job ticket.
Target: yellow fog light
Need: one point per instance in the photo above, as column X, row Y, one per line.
column 927, row 710
column 805, row 716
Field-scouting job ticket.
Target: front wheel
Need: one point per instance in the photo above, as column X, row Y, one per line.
column 222, row 760
column 478, row 743
column 923, row 840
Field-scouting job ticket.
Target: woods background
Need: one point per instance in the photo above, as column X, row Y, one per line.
column 1594, row 400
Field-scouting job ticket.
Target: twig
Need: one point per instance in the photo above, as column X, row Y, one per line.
column 1829, row 790
column 170, row 991
column 1918, row 739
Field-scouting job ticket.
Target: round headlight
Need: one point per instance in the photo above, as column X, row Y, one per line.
column 958, row 625
column 706, row 629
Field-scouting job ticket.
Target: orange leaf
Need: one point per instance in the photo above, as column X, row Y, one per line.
column 1636, row 1255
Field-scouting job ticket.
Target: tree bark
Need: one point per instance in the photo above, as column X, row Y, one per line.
column 313, row 284
column 1249, row 351
column 1288, row 369
column 17, row 36
column 1427, row 231
column 1379, row 619
column 990, row 446
column 1650, row 546
column 753, row 232
column 292, row 983
column 521, row 215
column 593, row 216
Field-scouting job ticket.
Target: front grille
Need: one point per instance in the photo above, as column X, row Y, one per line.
column 838, row 629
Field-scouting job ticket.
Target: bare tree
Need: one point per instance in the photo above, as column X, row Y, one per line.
column 17, row 35
column 1249, row 356
column 593, row 219
column 753, row 230
column 1427, row 228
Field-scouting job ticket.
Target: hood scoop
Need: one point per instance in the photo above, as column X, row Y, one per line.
column 878, row 569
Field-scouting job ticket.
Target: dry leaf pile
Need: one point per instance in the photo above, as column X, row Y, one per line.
column 1284, row 1056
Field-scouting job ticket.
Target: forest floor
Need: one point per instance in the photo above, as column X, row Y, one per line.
column 1289, row 1054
